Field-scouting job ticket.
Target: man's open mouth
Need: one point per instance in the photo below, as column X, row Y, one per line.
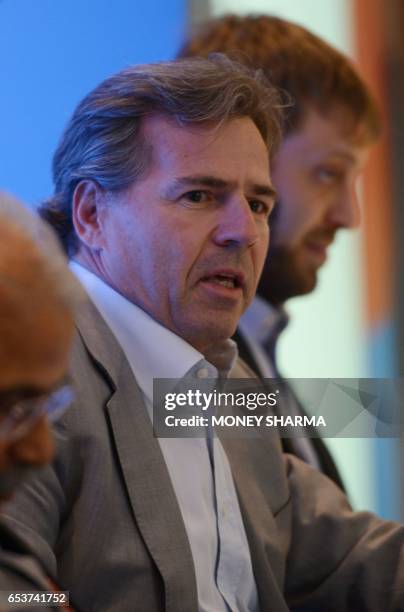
column 225, row 279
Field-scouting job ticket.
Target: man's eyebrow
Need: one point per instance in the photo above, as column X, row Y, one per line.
column 345, row 156
column 216, row 183
column 264, row 190
column 21, row 392
column 196, row 180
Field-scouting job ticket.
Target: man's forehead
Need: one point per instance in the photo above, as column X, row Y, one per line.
column 161, row 128
column 334, row 133
column 34, row 348
column 208, row 153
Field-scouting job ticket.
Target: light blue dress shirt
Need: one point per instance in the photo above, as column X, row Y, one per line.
column 198, row 467
column 260, row 325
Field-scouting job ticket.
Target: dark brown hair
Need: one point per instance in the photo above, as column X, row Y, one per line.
column 308, row 70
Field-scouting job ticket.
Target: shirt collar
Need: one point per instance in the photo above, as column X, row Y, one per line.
column 153, row 351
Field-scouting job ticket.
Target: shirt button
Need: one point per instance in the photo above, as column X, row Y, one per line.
column 202, row 373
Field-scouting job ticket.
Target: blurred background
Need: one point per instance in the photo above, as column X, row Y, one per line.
column 52, row 53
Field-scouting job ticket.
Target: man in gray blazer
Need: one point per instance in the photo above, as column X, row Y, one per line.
column 37, row 296
column 162, row 198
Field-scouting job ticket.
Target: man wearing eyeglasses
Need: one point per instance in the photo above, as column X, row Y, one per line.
column 37, row 293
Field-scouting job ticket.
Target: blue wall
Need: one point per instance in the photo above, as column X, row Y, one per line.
column 52, row 52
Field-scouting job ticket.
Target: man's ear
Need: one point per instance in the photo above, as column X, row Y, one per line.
column 87, row 205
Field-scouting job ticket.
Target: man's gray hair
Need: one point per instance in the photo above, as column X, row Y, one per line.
column 103, row 140
column 62, row 281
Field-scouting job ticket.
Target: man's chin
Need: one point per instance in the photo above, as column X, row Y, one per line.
column 286, row 276
column 212, row 334
column 306, row 281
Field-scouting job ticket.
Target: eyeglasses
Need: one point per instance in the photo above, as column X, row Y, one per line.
column 23, row 415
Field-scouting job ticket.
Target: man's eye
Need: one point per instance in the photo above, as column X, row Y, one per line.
column 197, row 196
column 258, row 207
column 328, row 175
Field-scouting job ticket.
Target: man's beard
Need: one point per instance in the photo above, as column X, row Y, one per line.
column 283, row 276
column 288, row 272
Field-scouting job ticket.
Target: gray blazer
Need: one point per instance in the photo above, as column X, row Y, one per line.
column 106, row 517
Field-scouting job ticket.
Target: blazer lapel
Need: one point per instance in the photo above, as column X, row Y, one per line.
column 147, row 481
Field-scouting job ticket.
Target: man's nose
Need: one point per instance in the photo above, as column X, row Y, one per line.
column 36, row 448
column 237, row 225
column 345, row 211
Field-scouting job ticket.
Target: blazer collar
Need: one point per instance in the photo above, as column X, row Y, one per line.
column 152, row 498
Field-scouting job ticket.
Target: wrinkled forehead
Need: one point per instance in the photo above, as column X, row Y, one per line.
column 195, row 148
